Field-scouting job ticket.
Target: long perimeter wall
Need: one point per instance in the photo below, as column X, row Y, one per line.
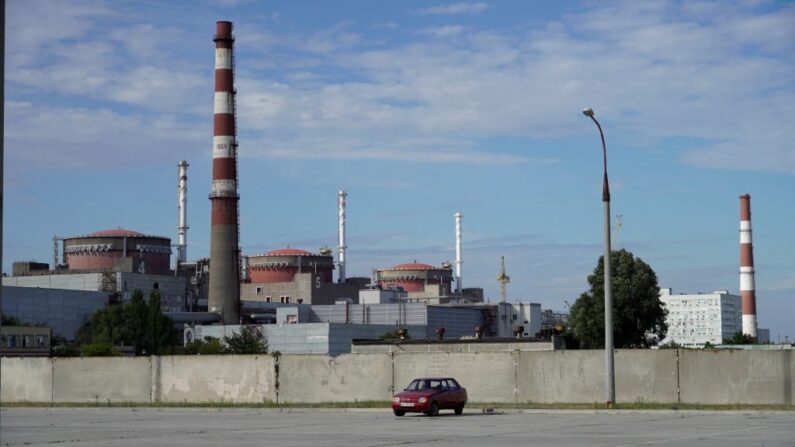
column 662, row 376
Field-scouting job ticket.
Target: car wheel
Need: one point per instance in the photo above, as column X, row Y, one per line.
column 434, row 410
column 459, row 409
column 399, row 412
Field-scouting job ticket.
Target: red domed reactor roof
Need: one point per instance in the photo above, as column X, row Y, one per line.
column 413, row 266
column 288, row 252
column 117, row 232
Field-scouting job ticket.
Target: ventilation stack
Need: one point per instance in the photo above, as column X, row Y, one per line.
column 224, row 286
column 747, row 287
column 458, row 260
column 182, row 213
column 341, row 209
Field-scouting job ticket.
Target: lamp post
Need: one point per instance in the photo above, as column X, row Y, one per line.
column 610, row 377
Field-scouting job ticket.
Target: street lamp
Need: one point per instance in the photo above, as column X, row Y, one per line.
column 610, row 376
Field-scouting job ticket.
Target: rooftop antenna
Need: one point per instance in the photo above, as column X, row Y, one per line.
column 503, row 279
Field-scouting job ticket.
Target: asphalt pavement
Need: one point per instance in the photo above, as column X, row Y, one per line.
column 377, row 428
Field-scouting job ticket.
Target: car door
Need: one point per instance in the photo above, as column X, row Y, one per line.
column 448, row 395
column 456, row 393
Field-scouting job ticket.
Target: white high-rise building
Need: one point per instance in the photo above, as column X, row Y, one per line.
column 697, row 318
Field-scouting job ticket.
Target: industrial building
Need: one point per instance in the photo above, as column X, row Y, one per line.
column 25, row 341
column 695, row 319
column 62, row 310
column 110, row 270
column 425, row 283
column 329, row 329
column 117, row 250
column 291, row 275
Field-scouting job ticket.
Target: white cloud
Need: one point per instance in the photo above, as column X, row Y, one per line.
column 71, row 137
column 652, row 71
column 444, row 31
column 455, row 8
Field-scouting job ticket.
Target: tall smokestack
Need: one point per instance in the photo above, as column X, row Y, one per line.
column 458, row 261
column 341, row 209
column 747, row 268
column 182, row 212
column 224, row 287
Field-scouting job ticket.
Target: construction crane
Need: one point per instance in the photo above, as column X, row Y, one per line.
column 503, row 279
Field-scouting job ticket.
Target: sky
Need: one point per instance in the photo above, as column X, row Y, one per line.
column 419, row 110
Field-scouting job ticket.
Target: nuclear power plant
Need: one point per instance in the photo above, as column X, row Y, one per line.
column 290, row 293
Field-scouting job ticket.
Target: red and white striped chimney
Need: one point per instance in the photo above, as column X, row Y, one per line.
column 224, row 286
column 747, row 268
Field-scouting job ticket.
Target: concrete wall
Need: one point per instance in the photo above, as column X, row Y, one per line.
column 345, row 378
column 25, row 379
column 665, row 376
column 560, row 376
column 239, row 378
column 487, row 376
column 98, row 379
column 737, row 376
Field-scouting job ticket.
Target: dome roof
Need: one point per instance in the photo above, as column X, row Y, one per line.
column 288, row 252
column 117, row 232
column 414, row 266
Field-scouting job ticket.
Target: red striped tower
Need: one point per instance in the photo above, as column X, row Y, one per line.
column 224, row 287
column 747, row 268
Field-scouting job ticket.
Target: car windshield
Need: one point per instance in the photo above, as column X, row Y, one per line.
column 424, row 384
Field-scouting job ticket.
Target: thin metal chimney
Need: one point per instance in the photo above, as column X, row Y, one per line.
column 224, row 288
column 747, row 287
column 341, row 209
column 458, row 260
column 182, row 212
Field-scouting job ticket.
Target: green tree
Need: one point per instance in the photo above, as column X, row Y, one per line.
column 208, row 346
column 160, row 332
column 245, row 342
column 136, row 323
column 105, row 326
column 639, row 315
column 738, row 338
column 136, row 319
column 98, row 350
column 9, row 320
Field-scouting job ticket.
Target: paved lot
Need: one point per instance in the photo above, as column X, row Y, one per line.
column 306, row 427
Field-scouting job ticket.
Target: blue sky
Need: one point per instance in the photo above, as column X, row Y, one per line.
column 419, row 110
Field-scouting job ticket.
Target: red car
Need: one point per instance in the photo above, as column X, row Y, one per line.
column 429, row 395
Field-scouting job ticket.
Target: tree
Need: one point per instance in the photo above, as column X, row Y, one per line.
column 160, row 332
column 105, row 326
column 244, row 342
column 639, row 315
column 739, row 339
column 208, row 346
column 136, row 317
column 137, row 323
column 9, row 320
column 98, row 350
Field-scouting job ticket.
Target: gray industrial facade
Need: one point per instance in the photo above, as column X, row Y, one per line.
column 64, row 311
column 172, row 289
column 305, row 288
column 309, row 338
